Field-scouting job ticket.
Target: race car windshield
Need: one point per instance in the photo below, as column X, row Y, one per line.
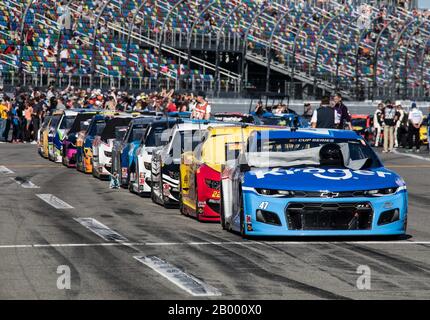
column 67, row 122
column 97, row 128
column 55, row 120
column 79, row 120
column 137, row 133
column 277, row 121
column 45, row 122
column 154, row 137
column 292, row 152
column 109, row 130
column 185, row 141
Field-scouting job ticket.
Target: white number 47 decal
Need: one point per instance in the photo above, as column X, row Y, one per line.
column 263, row 205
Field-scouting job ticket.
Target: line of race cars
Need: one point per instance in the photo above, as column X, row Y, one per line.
column 268, row 175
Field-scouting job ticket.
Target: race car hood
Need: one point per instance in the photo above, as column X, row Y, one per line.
column 321, row 178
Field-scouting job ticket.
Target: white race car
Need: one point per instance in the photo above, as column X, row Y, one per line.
column 115, row 128
column 140, row 169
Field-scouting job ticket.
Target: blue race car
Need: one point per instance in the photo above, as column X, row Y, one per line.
column 311, row 182
column 84, row 143
column 284, row 120
column 123, row 151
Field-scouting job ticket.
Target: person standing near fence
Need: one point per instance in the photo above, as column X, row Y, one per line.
column 342, row 115
column 390, row 116
column 415, row 120
column 398, row 128
column 377, row 123
column 4, row 114
column 324, row 116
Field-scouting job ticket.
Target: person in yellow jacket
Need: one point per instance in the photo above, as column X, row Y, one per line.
column 4, row 119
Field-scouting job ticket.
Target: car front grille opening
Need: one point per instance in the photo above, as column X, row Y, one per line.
column 388, row 217
column 214, row 205
column 268, row 217
column 329, row 216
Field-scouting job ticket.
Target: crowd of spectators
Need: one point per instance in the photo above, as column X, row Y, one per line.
column 24, row 112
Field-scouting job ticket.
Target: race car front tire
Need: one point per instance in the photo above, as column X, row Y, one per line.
column 242, row 216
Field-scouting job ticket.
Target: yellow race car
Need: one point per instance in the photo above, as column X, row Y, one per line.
column 200, row 170
column 46, row 132
column 423, row 131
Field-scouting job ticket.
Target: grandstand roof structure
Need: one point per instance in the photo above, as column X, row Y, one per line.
column 360, row 50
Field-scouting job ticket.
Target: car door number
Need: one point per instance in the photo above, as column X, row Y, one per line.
column 264, row 205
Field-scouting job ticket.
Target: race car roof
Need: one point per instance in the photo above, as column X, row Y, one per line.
column 142, row 120
column 233, row 129
column 308, row 133
column 191, row 125
column 71, row 112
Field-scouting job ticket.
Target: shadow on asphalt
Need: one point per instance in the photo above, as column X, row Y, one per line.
column 305, row 239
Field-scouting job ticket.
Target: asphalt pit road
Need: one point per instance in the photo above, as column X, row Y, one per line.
column 26, row 184
column 4, row 170
column 186, row 282
column 127, row 212
column 52, row 200
column 101, row 230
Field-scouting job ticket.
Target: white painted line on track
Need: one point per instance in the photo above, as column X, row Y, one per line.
column 241, row 243
column 26, row 184
column 415, row 156
column 101, row 230
column 186, row 282
column 54, row 201
column 4, row 170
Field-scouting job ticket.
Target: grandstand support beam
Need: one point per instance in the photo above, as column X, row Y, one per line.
column 375, row 58
column 269, row 49
column 245, row 44
column 396, row 47
column 22, row 40
column 363, row 33
column 57, row 58
column 189, row 40
column 320, row 37
column 94, row 44
column 339, row 45
column 412, row 37
column 127, row 50
column 160, row 44
column 425, row 44
column 293, row 67
column 217, row 59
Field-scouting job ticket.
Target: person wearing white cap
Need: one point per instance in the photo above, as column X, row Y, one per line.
column 415, row 120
